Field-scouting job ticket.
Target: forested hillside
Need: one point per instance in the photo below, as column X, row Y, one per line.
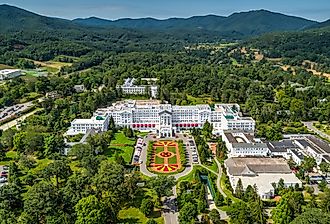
column 312, row 45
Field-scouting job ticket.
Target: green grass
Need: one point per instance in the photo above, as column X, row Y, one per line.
column 159, row 149
column 41, row 165
column 213, row 166
column 123, row 146
column 172, row 160
column 134, row 215
column 171, row 149
column 159, row 160
column 225, row 190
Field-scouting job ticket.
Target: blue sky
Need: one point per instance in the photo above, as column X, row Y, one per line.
column 113, row 9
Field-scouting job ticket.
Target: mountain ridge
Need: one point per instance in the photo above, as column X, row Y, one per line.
column 237, row 25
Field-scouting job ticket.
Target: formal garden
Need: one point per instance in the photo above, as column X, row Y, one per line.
column 166, row 157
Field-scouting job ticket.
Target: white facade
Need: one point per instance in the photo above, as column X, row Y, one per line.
column 241, row 144
column 131, row 89
column 165, row 119
column 81, row 126
column 9, row 73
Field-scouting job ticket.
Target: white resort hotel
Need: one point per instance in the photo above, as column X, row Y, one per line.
column 164, row 119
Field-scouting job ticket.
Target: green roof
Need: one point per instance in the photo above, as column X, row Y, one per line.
column 229, row 117
column 99, row 118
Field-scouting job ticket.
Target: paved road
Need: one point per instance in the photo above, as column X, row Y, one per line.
column 170, row 209
column 310, row 126
column 13, row 123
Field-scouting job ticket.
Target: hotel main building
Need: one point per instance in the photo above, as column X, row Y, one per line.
column 165, row 119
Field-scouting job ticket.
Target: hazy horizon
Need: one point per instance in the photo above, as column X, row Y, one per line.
column 111, row 9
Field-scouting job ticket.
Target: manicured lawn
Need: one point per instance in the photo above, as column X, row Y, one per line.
column 134, row 215
column 120, row 138
column 121, row 145
column 172, row 160
column 213, row 166
column 171, row 149
column 225, row 190
column 159, row 149
column 159, row 160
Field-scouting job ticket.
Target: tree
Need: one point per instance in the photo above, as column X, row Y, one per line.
column 239, row 213
column 41, row 201
column 129, row 133
column 325, row 202
column 7, row 138
column 312, row 216
column 151, row 221
column 322, row 185
column 59, row 169
column 239, row 191
column 147, row 206
column 162, row 185
column 308, row 164
column 207, row 129
column 289, row 207
column 325, row 167
column 112, row 125
column 215, row 216
column 90, row 210
column 188, row 213
column 53, row 144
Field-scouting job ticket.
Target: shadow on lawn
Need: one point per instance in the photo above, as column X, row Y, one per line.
column 112, row 150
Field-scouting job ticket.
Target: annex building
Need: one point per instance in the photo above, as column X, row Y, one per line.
column 130, row 88
column 262, row 172
column 165, row 119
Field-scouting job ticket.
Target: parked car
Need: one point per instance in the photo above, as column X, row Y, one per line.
column 3, row 179
column 4, row 173
column 5, row 167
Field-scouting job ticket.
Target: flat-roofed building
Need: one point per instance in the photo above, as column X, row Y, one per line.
column 240, row 144
column 314, row 147
column 98, row 123
column 9, row 73
column 262, row 172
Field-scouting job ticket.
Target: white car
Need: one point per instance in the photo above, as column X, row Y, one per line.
column 3, row 179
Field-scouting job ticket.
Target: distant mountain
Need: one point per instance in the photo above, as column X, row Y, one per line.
column 320, row 25
column 16, row 19
column 235, row 26
column 245, row 23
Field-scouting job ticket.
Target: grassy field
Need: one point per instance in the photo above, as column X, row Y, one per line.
column 159, row 149
column 134, row 215
column 121, row 145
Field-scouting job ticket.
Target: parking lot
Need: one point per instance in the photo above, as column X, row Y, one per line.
column 190, row 145
column 17, row 109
